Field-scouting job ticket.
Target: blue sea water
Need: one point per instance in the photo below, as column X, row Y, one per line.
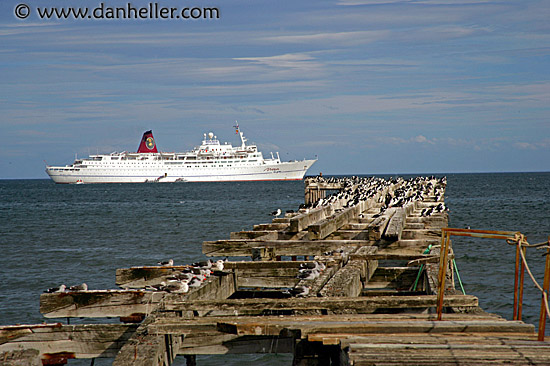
column 53, row 234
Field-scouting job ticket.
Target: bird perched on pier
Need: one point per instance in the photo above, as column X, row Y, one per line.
column 300, row 291
column 219, row 265
column 203, row 264
column 180, row 277
column 308, row 274
column 195, row 282
column 56, row 289
column 441, row 208
column 157, row 287
column 276, row 213
column 176, row 287
column 426, row 212
column 169, row 262
column 312, row 265
column 83, row 287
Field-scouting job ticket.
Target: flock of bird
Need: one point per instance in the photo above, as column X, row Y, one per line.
column 63, row 288
column 310, row 270
column 178, row 282
column 190, row 277
column 357, row 189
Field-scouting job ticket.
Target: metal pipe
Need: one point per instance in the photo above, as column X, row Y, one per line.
column 516, row 283
column 546, row 284
column 442, row 274
column 521, row 275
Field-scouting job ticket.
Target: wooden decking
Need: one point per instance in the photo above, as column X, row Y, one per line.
column 362, row 309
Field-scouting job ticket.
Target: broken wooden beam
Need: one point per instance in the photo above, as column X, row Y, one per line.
column 148, row 349
column 83, row 341
column 126, row 303
column 98, row 303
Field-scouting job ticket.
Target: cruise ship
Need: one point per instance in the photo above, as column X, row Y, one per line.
column 209, row 162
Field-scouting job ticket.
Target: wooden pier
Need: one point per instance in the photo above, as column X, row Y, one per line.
column 369, row 298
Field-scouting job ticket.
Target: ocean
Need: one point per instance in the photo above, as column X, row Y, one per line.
column 53, row 234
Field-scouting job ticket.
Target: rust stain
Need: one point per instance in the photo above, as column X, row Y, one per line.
column 60, row 358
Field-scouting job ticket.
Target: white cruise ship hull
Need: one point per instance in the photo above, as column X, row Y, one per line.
column 166, row 172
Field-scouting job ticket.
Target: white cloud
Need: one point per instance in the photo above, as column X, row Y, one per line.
column 289, row 60
column 538, row 145
column 333, row 38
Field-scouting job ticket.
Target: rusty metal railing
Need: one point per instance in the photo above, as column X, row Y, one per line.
column 513, row 238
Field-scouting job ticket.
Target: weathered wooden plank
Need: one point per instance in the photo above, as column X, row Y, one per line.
column 263, row 235
column 317, row 284
column 124, row 303
column 147, row 349
column 371, row 263
column 397, row 222
column 324, row 228
column 266, row 273
column 263, row 265
column 237, row 248
column 139, row 277
column 397, row 254
column 458, row 338
column 377, row 227
column 305, row 328
column 475, row 353
column 214, row 288
column 98, row 303
column 303, row 220
column 243, row 345
column 167, row 323
column 349, row 280
column 268, row 282
column 361, row 304
column 271, row 226
column 420, row 233
column 82, row 341
column 398, row 278
column 349, row 235
column 27, row 357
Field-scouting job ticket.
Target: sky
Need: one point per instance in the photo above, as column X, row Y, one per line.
column 367, row 87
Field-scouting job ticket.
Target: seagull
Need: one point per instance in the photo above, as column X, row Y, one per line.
column 300, row 291
column 56, row 289
column 83, row 287
column 157, row 287
column 169, row 262
column 312, row 266
column 180, row 277
column 276, row 213
column 308, row 274
column 204, row 264
column 195, row 282
column 184, row 286
column 176, row 287
column 219, row 264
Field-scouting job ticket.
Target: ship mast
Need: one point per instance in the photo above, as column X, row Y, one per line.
column 241, row 134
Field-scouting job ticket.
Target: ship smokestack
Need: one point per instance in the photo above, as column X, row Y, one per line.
column 148, row 144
